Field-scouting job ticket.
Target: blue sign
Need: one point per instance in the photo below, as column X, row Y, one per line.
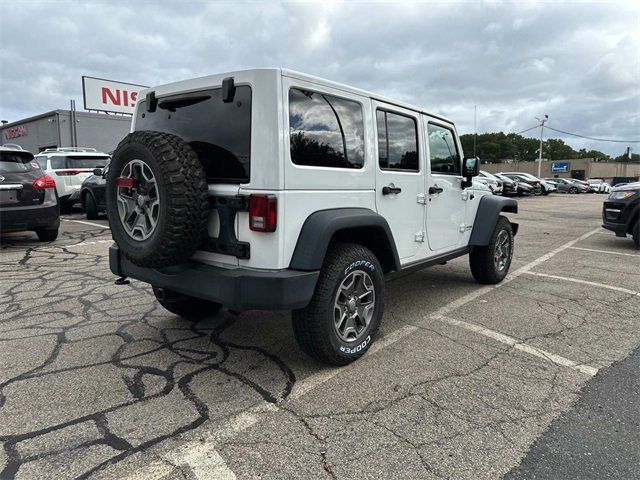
column 560, row 167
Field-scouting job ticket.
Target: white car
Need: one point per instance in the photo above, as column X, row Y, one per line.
column 598, row 185
column 272, row 189
column 69, row 167
column 493, row 182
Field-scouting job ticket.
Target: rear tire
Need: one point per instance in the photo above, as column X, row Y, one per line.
column 47, row 234
column 184, row 306
column 490, row 264
column 90, row 207
column 340, row 323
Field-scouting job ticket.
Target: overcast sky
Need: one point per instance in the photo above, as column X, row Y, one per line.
column 578, row 62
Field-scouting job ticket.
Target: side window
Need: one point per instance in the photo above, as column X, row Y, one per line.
column 42, row 161
column 443, row 150
column 397, row 142
column 325, row 131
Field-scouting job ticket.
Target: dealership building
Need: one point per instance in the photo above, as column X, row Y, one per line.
column 58, row 129
column 109, row 106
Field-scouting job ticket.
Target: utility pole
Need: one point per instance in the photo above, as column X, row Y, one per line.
column 546, row 117
column 475, row 127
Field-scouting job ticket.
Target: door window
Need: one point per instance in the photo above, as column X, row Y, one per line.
column 397, row 142
column 443, row 150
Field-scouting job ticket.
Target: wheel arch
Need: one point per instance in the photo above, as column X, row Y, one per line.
column 634, row 217
column 489, row 211
column 353, row 225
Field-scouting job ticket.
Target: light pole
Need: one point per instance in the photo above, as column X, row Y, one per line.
column 546, row 117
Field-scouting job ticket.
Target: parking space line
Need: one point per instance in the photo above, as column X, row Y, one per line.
column 585, row 282
column 86, row 223
column 605, row 251
column 84, row 244
column 519, row 345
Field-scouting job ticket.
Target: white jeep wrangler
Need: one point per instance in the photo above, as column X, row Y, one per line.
column 271, row 189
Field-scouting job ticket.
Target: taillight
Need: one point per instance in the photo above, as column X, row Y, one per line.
column 64, row 173
column 536, row 184
column 262, row 213
column 43, row 182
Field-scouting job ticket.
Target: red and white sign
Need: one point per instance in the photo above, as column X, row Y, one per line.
column 15, row 132
column 109, row 95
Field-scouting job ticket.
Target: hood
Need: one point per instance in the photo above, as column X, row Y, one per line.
column 628, row 186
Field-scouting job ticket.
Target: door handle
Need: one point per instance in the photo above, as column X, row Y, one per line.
column 388, row 190
column 435, row 189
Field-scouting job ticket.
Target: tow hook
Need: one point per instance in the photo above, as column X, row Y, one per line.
column 122, row 280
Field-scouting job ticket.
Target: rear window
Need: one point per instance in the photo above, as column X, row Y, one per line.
column 15, row 162
column 219, row 132
column 79, row 161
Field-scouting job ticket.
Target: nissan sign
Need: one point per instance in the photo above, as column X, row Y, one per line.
column 109, row 96
column 15, row 132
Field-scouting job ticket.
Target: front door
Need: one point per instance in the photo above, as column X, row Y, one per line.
column 446, row 198
column 400, row 178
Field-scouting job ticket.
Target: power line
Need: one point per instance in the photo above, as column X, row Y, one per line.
column 591, row 138
column 535, row 126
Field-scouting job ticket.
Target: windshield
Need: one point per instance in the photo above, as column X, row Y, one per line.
column 219, row 132
column 15, row 162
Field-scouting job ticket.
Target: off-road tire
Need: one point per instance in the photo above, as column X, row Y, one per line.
column 481, row 259
column 635, row 233
column 90, row 207
column 184, row 200
column 190, row 308
column 313, row 326
column 47, row 234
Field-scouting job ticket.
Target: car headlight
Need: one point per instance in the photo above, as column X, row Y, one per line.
column 623, row 195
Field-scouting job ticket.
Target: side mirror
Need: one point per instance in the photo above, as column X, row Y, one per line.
column 470, row 169
column 97, row 171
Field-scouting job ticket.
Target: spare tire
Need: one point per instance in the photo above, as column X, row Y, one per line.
column 157, row 199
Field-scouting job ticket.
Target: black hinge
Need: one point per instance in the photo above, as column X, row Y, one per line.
column 227, row 243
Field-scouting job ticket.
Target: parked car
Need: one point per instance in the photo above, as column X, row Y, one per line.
column 229, row 192
column 69, row 167
column 599, row 185
column 92, row 193
column 545, row 188
column 28, row 199
column 493, row 182
column 524, row 189
column 509, row 187
column 568, row 185
column 536, row 186
column 621, row 211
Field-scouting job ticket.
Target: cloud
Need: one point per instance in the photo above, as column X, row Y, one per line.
column 577, row 62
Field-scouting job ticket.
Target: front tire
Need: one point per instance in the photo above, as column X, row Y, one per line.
column 90, row 207
column 339, row 324
column 635, row 233
column 490, row 264
column 185, row 306
column 573, row 190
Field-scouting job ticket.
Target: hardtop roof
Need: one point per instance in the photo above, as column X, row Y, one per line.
column 216, row 78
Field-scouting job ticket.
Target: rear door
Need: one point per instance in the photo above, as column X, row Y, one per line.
column 400, row 177
column 446, row 198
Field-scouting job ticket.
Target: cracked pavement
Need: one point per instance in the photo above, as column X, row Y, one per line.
column 99, row 381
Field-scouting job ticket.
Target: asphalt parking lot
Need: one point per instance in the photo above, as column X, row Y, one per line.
column 464, row 381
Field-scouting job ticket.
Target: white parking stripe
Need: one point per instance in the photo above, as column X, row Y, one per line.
column 519, row 345
column 86, row 223
column 585, row 282
column 604, row 251
column 83, row 244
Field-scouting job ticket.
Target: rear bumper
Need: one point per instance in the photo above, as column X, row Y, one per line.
column 18, row 219
column 237, row 288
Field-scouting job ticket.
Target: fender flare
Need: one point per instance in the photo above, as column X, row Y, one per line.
column 487, row 216
column 320, row 227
